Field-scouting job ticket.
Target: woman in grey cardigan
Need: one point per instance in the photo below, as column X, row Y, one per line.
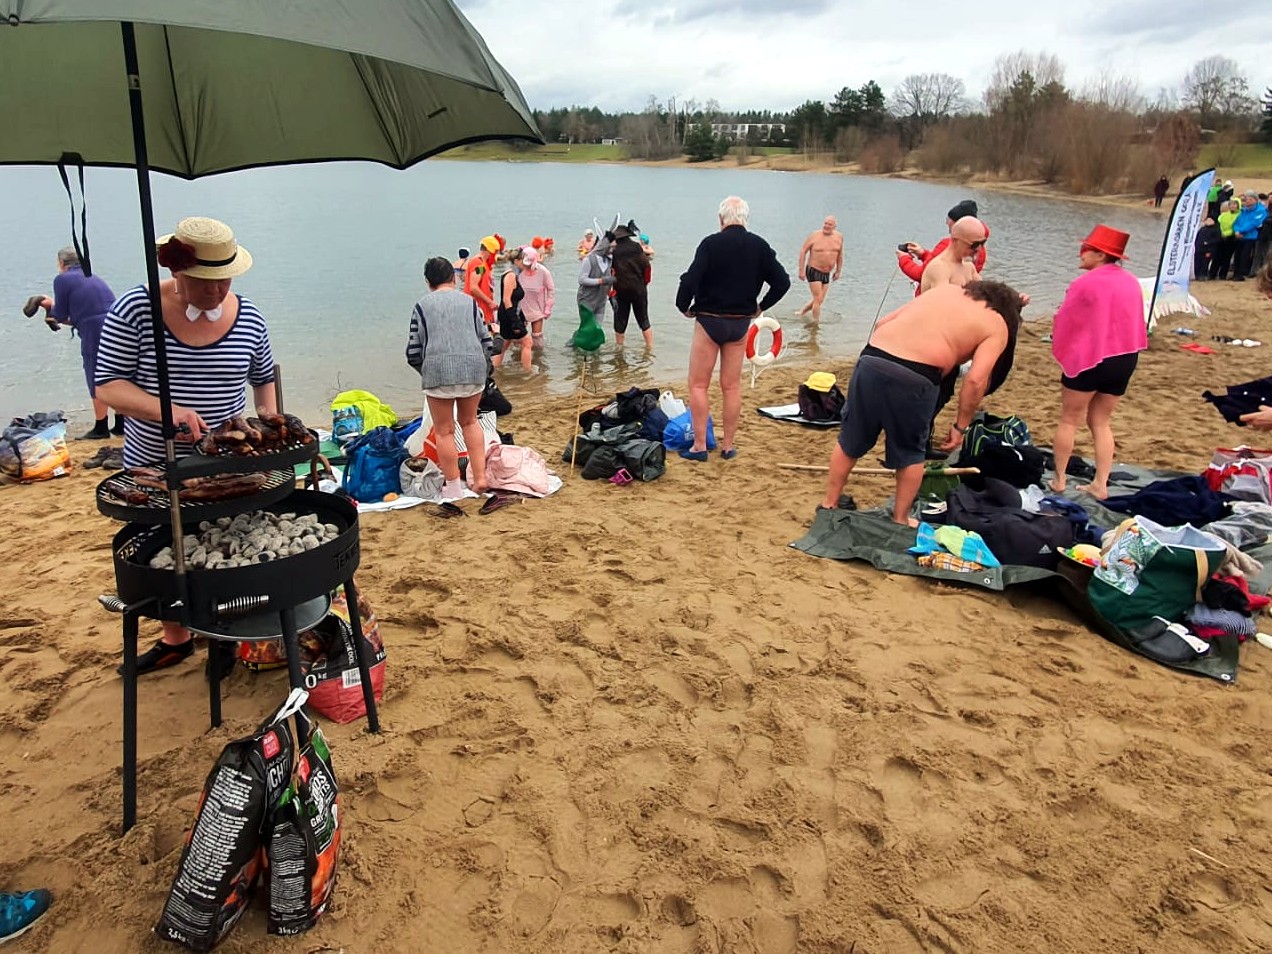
column 448, row 345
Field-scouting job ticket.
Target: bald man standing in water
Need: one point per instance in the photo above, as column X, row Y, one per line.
column 954, row 266
column 895, row 382
column 821, row 261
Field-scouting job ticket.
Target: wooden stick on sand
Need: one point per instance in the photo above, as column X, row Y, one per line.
column 578, row 412
column 884, row 471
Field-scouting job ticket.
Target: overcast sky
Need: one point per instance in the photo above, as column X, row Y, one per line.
column 775, row 54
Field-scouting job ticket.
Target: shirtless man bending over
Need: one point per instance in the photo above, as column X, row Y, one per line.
column 954, row 266
column 895, row 382
column 821, row 261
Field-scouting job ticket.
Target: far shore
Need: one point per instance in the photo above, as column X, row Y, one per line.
column 1035, row 187
column 825, row 164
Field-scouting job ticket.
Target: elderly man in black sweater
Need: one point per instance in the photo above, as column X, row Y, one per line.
column 721, row 292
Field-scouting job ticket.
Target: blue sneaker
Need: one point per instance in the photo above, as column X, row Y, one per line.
column 19, row 912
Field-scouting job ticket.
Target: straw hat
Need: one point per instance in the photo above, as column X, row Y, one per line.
column 203, row 248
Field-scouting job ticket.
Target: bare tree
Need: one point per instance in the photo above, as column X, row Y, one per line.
column 1117, row 92
column 1044, row 69
column 1176, row 141
column 927, row 97
column 1216, row 89
column 649, row 134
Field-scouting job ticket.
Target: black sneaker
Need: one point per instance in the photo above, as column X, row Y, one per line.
column 160, row 656
column 98, row 433
column 98, row 459
column 118, row 429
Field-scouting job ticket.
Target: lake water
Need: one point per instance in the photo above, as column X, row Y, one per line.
column 339, row 250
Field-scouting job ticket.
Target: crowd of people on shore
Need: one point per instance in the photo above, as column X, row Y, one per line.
column 1235, row 236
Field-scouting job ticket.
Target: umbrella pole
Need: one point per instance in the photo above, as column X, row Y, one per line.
column 156, row 310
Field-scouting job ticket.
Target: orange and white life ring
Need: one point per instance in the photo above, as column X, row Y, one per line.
column 768, row 357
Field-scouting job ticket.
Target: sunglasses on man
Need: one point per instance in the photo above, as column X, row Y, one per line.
column 977, row 246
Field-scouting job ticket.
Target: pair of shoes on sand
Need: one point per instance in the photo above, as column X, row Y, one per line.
column 165, row 655
column 701, row 456
column 111, row 458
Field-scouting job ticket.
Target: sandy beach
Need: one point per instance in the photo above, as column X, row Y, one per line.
column 632, row 719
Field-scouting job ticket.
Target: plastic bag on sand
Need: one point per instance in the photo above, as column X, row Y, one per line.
column 303, row 849
column 222, row 856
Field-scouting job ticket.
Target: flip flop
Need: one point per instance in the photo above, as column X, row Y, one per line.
column 499, row 499
column 1197, row 349
column 447, row 510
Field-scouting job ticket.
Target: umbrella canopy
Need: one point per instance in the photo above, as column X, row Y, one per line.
column 241, row 83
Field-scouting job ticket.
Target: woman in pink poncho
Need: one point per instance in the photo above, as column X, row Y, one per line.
column 540, row 299
column 1097, row 336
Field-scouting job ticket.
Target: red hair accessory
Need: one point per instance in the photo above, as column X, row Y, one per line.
column 176, row 256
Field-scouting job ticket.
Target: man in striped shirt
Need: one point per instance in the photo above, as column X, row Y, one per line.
column 217, row 345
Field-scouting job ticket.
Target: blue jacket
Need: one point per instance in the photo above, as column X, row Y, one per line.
column 1246, row 226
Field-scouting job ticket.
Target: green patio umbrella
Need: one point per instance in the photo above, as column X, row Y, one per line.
column 233, row 84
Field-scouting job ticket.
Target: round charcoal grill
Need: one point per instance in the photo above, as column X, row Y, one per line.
column 218, row 596
column 278, row 484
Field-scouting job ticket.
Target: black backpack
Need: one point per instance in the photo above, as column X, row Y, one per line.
column 821, row 405
column 1018, row 466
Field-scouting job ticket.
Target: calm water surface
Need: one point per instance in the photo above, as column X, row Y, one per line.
column 339, row 250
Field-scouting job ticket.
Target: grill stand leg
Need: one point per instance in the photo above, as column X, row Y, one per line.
column 214, row 681
column 362, row 649
column 291, row 643
column 130, row 720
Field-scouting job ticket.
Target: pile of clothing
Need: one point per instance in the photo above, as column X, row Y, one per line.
column 1227, row 607
column 623, row 438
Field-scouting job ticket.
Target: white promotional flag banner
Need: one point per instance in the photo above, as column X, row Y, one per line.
column 1174, row 268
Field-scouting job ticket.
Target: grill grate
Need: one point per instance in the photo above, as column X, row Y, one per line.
column 112, row 502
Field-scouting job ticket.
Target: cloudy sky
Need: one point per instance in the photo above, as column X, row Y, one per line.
column 774, row 54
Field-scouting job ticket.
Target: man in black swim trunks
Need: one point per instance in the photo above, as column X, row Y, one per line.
column 821, row 261
column 896, row 380
column 719, row 291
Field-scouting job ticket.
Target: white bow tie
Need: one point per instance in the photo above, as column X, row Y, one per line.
column 192, row 313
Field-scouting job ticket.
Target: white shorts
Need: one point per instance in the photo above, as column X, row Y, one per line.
column 452, row 392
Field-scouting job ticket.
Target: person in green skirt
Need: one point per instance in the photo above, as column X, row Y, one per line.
column 595, row 281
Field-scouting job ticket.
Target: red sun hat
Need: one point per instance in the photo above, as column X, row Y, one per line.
column 1107, row 240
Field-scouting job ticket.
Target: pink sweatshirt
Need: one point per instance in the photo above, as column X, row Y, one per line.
column 540, row 293
column 1102, row 316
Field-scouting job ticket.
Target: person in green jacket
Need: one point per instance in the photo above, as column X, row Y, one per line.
column 1227, row 241
column 1212, row 200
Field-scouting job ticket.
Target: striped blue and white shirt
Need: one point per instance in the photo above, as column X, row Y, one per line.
column 211, row 379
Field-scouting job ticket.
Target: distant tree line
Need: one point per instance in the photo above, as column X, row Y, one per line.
column 1028, row 124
